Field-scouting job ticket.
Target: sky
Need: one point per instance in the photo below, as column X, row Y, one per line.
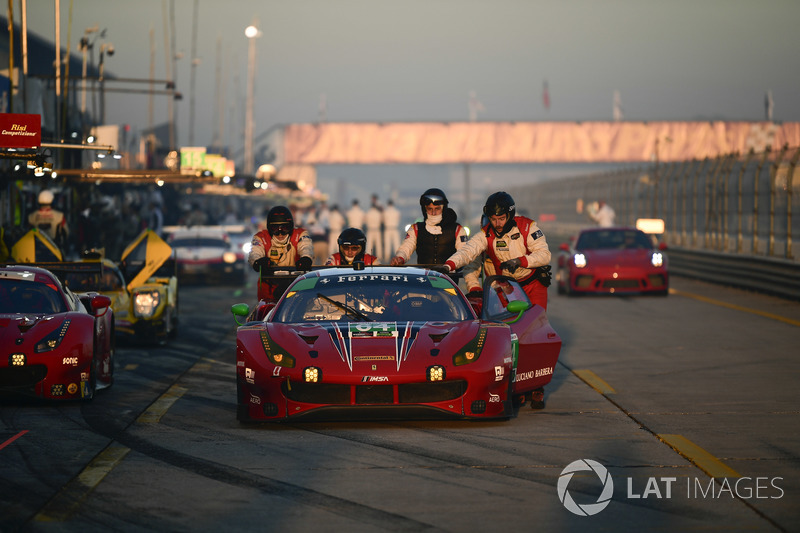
column 418, row 60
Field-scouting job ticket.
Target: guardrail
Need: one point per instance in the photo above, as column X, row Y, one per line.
column 778, row 277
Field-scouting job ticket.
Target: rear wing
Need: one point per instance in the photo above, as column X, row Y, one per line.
column 77, row 276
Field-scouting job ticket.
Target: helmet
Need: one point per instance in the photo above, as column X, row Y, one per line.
column 46, row 197
column 352, row 237
column 432, row 196
column 280, row 220
column 501, row 203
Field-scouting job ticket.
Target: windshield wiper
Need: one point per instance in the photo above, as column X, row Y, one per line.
column 353, row 311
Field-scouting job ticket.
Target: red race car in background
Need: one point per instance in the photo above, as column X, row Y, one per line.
column 54, row 343
column 614, row 261
column 389, row 342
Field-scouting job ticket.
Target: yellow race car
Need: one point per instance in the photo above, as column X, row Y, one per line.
column 148, row 304
column 143, row 288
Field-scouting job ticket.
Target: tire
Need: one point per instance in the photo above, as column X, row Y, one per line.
column 91, row 385
column 112, row 359
column 241, row 408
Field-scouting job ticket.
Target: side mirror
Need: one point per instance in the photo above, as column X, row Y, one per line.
column 517, row 306
column 662, row 246
column 100, row 301
column 240, row 311
column 564, row 246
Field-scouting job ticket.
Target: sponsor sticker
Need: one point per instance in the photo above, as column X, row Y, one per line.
column 361, row 278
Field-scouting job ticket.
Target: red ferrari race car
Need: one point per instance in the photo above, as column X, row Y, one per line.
column 612, row 261
column 54, row 343
column 389, row 342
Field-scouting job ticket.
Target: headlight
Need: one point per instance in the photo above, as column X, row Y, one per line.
column 312, row 374
column 277, row 355
column 579, row 260
column 246, row 247
column 472, row 350
column 229, row 257
column 657, row 259
column 145, row 303
column 52, row 341
column 436, row 373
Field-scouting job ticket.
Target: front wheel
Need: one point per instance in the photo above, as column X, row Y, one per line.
column 241, row 406
column 89, row 386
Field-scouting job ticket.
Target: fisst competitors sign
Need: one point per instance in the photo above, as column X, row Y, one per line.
column 20, row 131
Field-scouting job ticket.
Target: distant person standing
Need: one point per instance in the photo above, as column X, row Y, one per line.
column 602, row 213
column 355, row 216
column 155, row 217
column 391, row 228
column 196, row 217
column 335, row 226
column 49, row 220
column 374, row 219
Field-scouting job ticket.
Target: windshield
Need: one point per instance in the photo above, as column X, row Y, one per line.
column 18, row 296
column 614, row 239
column 85, row 281
column 373, row 297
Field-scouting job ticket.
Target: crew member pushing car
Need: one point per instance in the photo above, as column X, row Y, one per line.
column 514, row 246
column 280, row 244
column 437, row 237
column 352, row 246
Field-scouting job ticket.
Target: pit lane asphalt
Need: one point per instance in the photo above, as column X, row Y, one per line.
column 162, row 450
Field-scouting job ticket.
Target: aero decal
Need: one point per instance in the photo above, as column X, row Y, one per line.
column 408, row 334
column 339, row 344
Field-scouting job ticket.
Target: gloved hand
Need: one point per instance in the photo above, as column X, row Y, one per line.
column 397, row 260
column 511, row 265
column 304, row 263
column 261, row 263
column 475, row 294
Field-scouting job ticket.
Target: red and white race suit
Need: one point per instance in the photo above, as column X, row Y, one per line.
column 524, row 241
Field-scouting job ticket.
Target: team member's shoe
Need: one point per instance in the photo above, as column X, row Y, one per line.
column 537, row 398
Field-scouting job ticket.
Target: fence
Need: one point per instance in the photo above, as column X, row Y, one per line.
column 734, row 203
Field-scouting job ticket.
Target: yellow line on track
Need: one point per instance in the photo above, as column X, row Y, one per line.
column 159, row 408
column 595, row 381
column 736, row 307
column 697, row 455
column 67, row 501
